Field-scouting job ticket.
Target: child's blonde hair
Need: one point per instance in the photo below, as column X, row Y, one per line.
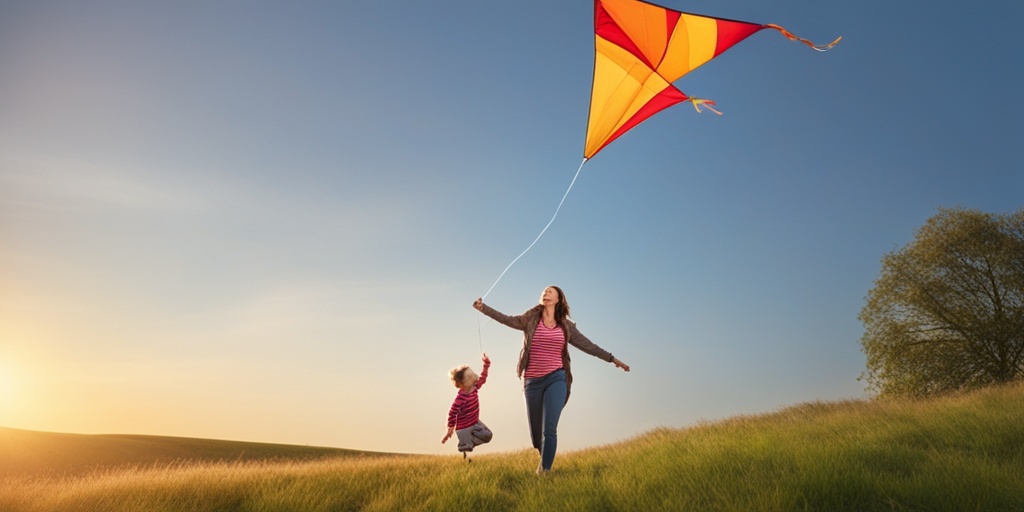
column 458, row 374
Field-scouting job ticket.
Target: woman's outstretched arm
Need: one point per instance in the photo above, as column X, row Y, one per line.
column 515, row 322
column 578, row 340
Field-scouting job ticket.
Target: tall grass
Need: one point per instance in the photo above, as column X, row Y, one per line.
column 954, row 453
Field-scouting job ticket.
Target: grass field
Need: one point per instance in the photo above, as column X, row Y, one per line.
column 24, row 452
column 956, row 453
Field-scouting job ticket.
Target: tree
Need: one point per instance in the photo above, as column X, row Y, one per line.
column 947, row 311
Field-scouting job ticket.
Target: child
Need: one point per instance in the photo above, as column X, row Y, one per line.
column 464, row 416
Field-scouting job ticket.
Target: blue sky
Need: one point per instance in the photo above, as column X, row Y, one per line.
column 268, row 221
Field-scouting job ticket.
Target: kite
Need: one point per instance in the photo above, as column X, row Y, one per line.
column 640, row 49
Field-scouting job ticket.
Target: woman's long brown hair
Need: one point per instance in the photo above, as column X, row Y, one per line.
column 561, row 307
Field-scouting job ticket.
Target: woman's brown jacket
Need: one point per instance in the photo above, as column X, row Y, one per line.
column 528, row 321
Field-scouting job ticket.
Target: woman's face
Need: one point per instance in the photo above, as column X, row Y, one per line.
column 549, row 297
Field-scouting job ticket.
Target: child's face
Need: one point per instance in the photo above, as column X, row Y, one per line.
column 469, row 378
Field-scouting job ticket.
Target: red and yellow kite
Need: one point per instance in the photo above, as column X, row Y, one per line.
column 640, row 49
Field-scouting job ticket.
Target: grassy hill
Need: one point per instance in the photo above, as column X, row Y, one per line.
column 24, row 452
column 956, row 453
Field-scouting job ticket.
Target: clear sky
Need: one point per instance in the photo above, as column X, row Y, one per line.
column 268, row 221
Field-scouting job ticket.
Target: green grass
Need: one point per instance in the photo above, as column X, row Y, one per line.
column 959, row 453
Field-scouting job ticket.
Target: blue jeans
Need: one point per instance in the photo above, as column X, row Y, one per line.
column 545, row 397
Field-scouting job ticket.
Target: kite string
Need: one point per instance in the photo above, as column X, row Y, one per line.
column 541, row 231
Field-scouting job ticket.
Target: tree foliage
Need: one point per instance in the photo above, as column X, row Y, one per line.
column 947, row 311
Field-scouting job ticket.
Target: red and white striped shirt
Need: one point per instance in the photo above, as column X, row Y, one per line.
column 545, row 351
column 465, row 411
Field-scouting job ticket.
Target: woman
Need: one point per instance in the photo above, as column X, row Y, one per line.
column 544, row 363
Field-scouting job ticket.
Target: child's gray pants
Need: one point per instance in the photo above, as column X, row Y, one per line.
column 473, row 436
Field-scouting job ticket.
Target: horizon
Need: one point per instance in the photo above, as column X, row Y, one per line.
column 269, row 224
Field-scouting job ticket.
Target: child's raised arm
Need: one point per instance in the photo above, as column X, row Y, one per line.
column 483, row 373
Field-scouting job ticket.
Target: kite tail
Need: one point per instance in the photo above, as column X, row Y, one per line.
column 708, row 104
column 789, row 35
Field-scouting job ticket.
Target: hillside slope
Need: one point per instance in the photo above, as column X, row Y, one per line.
column 954, row 453
column 30, row 452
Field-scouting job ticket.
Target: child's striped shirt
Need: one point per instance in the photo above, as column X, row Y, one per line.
column 465, row 411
